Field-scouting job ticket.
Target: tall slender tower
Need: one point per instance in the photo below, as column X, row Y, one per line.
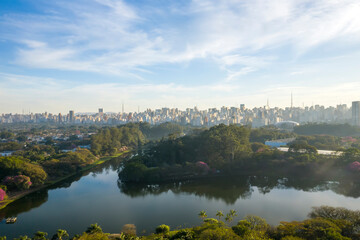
column 122, row 109
column 291, row 100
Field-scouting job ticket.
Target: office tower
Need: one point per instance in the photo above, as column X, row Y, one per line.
column 60, row 118
column 356, row 113
column 71, row 116
column 101, row 111
column 242, row 107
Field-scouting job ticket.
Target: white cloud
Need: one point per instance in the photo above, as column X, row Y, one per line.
column 114, row 37
column 243, row 38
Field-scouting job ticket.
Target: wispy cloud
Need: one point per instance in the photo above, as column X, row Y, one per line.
column 117, row 37
column 253, row 44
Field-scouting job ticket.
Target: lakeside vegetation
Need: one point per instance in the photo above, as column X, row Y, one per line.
column 41, row 157
column 324, row 223
column 168, row 152
column 229, row 150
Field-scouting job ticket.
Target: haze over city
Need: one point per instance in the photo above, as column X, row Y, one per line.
column 61, row 55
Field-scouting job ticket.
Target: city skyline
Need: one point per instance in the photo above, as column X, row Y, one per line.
column 61, row 55
column 256, row 117
column 138, row 109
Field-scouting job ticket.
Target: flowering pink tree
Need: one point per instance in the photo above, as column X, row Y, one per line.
column 2, row 194
column 203, row 166
column 20, row 182
column 354, row 166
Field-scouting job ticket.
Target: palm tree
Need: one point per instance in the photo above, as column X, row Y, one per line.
column 60, row 235
column 22, row 238
column 40, row 235
column 94, row 228
column 219, row 214
column 202, row 215
column 232, row 213
column 228, row 218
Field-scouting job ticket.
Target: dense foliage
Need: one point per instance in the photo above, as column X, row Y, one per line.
column 12, row 166
column 19, row 182
column 324, row 223
column 327, row 129
column 67, row 163
column 229, row 150
column 109, row 141
column 323, row 142
column 266, row 134
column 161, row 130
column 2, row 194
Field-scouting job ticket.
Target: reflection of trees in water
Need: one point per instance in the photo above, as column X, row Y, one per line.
column 226, row 189
column 24, row 204
column 230, row 189
column 37, row 198
column 348, row 188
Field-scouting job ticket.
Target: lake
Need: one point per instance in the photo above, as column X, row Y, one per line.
column 97, row 197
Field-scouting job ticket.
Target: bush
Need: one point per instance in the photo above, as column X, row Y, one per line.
column 242, row 228
column 218, row 234
column 2, row 194
column 11, row 166
column 184, row 234
column 162, row 229
column 3, row 187
column 211, row 221
column 354, row 166
column 19, row 182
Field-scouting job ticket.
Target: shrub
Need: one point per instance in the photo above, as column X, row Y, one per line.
column 211, row 221
column 2, row 194
column 257, row 223
column 242, row 228
column 218, row 234
column 184, row 234
column 354, row 166
column 292, row 238
column 162, row 229
column 20, row 182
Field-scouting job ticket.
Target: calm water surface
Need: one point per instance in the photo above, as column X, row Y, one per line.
column 98, row 197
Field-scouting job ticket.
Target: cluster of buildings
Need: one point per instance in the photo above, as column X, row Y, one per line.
column 257, row 117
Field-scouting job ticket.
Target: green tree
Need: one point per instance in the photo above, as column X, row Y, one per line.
column 60, row 235
column 202, row 215
column 23, row 238
column 219, row 214
column 94, row 228
column 161, row 229
column 40, row 236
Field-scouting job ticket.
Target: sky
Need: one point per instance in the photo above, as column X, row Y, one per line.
column 82, row 55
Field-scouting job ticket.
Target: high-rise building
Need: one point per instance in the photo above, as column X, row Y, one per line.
column 101, row 111
column 242, row 107
column 356, row 113
column 71, row 116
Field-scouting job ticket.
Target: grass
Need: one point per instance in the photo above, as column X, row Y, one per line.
column 21, row 194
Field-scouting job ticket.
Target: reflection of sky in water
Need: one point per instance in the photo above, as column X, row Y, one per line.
column 96, row 198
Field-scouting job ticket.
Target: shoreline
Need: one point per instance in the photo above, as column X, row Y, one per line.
column 336, row 175
column 19, row 195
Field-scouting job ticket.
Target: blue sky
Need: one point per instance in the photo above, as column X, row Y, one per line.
column 64, row 54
